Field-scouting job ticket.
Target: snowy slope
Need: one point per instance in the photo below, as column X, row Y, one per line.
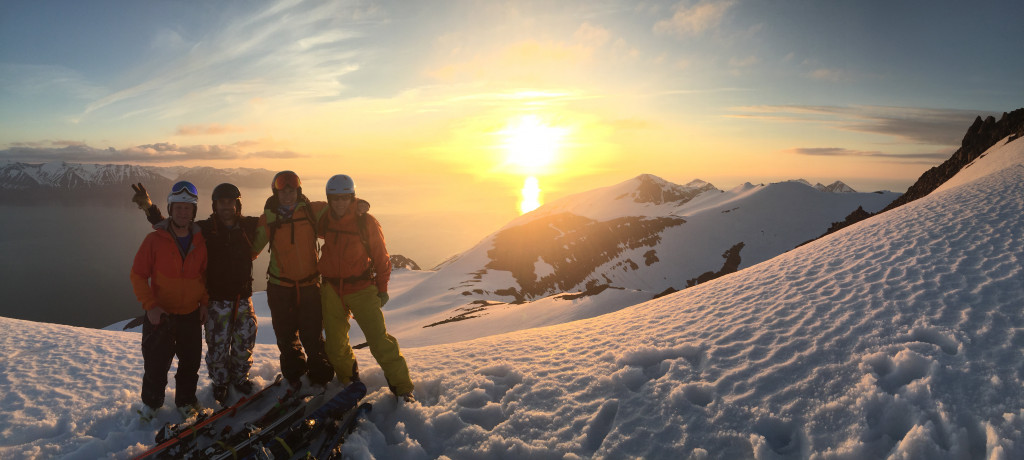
column 899, row 337
column 605, row 249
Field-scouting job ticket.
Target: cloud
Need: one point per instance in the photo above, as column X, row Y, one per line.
column 207, row 129
column 913, row 124
column 526, row 59
column 592, row 36
column 929, row 158
column 693, row 20
column 26, row 80
column 288, row 53
column 76, row 152
column 833, row 75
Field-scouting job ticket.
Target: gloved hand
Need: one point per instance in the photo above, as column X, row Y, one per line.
column 141, row 197
column 156, row 315
column 383, row 298
column 362, row 207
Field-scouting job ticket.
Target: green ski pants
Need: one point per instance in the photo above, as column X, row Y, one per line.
column 366, row 309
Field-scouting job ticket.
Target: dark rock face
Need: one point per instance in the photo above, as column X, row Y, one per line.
column 857, row 215
column 981, row 136
column 573, row 246
column 732, row 263
column 400, row 261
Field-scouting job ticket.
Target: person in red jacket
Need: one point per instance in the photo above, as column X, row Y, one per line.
column 168, row 276
column 356, row 268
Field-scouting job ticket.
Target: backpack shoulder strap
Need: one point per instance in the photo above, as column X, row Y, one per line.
column 364, row 234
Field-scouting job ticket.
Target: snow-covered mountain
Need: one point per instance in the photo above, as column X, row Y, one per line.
column 896, row 338
column 608, row 248
column 64, row 176
column 62, row 179
column 835, row 187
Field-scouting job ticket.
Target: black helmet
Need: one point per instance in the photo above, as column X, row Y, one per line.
column 227, row 190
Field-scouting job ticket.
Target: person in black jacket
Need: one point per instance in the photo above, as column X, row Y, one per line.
column 231, row 323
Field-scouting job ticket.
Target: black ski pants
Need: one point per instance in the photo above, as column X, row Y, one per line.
column 176, row 335
column 296, row 317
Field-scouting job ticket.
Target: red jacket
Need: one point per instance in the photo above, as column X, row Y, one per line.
column 161, row 276
column 344, row 258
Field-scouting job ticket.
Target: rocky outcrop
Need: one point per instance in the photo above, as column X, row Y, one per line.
column 654, row 190
column 570, row 248
column 981, row 136
column 403, row 262
column 732, row 263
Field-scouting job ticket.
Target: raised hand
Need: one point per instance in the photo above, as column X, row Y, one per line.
column 141, row 197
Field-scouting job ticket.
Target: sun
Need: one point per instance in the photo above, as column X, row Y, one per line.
column 531, row 144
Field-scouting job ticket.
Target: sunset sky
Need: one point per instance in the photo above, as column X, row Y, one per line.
column 452, row 106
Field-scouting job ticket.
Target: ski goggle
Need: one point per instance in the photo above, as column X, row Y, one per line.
column 286, row 179
column 184, row 188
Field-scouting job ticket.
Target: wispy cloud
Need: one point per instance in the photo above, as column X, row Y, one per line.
column 913, row 124
column 832, row 75
column 692, row 20
column 78, row 152
column 36, row 80
column 289, row 52
column 929, row 158
column 208, row 129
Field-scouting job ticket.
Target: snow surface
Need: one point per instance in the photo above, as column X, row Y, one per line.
column 899, row 337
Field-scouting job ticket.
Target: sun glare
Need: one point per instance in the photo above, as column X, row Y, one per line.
column 530, row 143
column 531, row 195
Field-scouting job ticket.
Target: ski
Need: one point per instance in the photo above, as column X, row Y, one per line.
column 331, row 447
column 243, row 443
column 322, row 422
column 170, row 431
column 172, row 438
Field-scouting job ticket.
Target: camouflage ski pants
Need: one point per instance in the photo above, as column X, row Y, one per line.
column 229, row 343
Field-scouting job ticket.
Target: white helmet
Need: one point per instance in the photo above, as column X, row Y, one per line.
column 340, row 184
column 183, row 192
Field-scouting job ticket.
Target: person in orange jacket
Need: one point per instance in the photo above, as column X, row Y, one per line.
column 288, row 226
column 356, row 269
column 168, row 276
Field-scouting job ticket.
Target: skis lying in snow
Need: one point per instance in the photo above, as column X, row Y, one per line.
column 321, row 431
column 331, row 447
column 245, row 443
column 173, row 439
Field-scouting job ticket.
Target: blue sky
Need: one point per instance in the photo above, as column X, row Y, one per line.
column 872, row 93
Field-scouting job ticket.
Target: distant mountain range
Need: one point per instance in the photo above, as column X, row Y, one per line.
column 61, row 181
column 605, row 249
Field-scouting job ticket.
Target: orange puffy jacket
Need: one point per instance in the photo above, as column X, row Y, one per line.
column 344, row 261
column 161, row 276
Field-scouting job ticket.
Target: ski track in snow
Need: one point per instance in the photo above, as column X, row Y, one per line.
column 899, row 337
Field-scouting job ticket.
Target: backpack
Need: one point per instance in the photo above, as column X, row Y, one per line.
column 364, row 238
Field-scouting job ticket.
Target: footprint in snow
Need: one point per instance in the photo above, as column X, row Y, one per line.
column 600, row 425
column 892, row 374
column 482, row 406
column 784, row 439
column 933, row 336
